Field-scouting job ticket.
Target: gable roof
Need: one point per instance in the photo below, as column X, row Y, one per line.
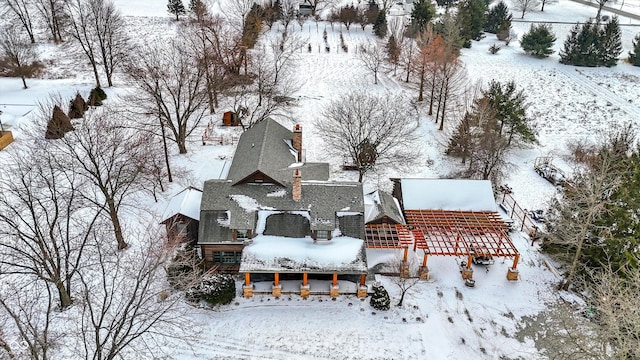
column 186, row 202
column 447, row 194
column 265, row 147
column 322, row 199
column 379, row 204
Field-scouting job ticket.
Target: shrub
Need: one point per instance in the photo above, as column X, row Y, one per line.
column 634, row 57
column 214, row 289
column 185, row 267
column 538, row 41
column 494, row 49
column 77, row 107
column 58, row 125
column 380, row 299
column 96, row 96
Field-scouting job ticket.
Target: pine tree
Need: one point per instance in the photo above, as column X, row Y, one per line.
column 610, row 43
column 422, row 13
column 176, row 7
column 510, row 108
column 497, row 16
column 538, row 41
column 582, row 46
column 634, row 57
column 461, row 141
column 393, row 50
column 471, row 17
column 380, row 299
column 380, row 25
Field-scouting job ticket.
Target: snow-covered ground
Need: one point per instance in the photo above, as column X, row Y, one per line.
column 441, row 318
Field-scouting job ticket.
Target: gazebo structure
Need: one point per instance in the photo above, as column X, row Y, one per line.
column 455, row 218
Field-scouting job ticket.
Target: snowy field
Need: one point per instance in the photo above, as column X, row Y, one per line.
column 441, row 318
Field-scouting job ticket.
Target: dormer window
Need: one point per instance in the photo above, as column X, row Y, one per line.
column 242, row 234
column 323, row 235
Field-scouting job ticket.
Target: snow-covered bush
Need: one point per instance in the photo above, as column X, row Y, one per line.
column 214, row 289
column 380, row 299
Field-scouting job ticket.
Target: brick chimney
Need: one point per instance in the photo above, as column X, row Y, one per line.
column 297, row 185
column 297, row 140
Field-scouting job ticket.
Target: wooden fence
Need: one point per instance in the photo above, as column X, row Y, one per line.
column 520, row 217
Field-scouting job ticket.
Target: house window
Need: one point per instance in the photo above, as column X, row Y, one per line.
column 227, row 257
column 242, row 234
column 181, row 229
column 322, row 235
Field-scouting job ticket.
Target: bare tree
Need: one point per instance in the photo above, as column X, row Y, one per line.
column 126, row 307
column 53, row 12
column 21, row 9
column 273, row 82
column 372, row 57
column 371, row 131
column 113, row 160
column 525, row 6
column 405, row 282
column 81, row 30
column 319, row 5
column 29, row 306
column 171, row 84
column 601, row 4
column 452, row 78
column 572, row 220
column 18, row 54
column 98, row 29
column 44, row 219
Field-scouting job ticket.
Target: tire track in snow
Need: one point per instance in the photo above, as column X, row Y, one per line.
column 576, row 76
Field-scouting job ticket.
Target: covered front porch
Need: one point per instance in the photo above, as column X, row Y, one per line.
column 304, row 284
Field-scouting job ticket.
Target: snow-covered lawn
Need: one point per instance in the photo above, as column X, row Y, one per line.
column 441, row 318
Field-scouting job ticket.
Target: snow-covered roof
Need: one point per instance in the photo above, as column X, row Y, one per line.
column 378, row 204
column 186, row 202
column 294, row 255
column 447, row 194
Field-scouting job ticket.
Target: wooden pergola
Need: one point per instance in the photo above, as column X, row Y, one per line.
column 460, row 233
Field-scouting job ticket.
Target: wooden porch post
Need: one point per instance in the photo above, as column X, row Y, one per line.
column 424, row 260
column 406, row 252
column 469, row 261
column 247, row 279
column 335, row 279
column 362, row 279
column 305, row 279
column 515, row 261
column 276, row 279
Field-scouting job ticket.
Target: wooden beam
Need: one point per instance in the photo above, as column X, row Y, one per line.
column 424, row 260
column 406, row 252
column 276, row 279
column 363, row 277
column 515, row 261
column 247, row 279
column 469, row 261
column 335, row 279
column 305, row 279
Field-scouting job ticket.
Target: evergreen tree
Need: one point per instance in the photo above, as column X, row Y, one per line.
column 510, row 109
column 422, row 13
column 582, row 46
column 461, row 141
column 176, row 7
column 610, row 43
column 393, row 50
column 448, row 28
column 380, row 25
column 198, row 9
column 634, row 57
column 471, row 18
column 538, row 41
column 496, row 17
column 380, row 299
column 252, row 26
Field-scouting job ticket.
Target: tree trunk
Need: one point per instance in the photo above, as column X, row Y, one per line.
column 444, row 107
column 166, row 152
column 182, row 147
column 95, row 72
column 24, row 82
column 63, row 294
column 401, row 298
column 421, row 88
column 117, row 228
